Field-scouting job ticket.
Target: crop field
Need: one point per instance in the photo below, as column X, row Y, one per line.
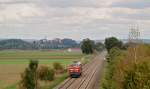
column 13, row 62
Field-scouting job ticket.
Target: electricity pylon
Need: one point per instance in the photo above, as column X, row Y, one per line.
column 134, row 39
column 134, row 34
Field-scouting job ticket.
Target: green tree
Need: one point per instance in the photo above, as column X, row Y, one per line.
column 112, row 42
column 29, row 77
column 87, row 46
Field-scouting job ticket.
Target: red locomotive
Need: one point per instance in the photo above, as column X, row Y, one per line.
column 75, row 69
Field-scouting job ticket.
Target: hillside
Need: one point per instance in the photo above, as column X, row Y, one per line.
column 14, row 44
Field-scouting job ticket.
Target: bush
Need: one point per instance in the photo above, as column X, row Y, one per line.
column 137, row 77
column 58, row 66
column 133, row 72
column 45, row 73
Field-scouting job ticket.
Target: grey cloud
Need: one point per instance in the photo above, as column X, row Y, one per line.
column 73, row 3
column 139, row 4
column 7, row 2
column 137, row 15
column 59, row 3
column 75, row 19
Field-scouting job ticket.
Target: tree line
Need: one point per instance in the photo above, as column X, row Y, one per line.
column 90, row 46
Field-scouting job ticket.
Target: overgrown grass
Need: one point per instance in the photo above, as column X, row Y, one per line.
column 51, row 84
column 103, row 80
column 107, row 81
column 57, row 81
column 86, row 59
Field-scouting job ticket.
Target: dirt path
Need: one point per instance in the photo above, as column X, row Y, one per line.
column 90, row 77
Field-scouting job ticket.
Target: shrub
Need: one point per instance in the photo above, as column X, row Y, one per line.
column 133, row 72
column 58, row 66
column 137, row 77
column 128, row 69
column 45, row 73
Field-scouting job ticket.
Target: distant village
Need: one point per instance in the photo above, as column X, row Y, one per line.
column 55, row 43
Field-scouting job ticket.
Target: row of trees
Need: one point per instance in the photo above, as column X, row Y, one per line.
column 89, row 46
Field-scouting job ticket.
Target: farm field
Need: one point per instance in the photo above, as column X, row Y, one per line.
column 13, row 62
column 45, row 54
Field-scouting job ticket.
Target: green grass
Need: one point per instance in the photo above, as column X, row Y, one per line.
column 17, row 61
column 11, row 87
column 44, row 56
column 29, row 54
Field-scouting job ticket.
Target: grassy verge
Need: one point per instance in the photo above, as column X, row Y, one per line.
column 11, row 87
column 57, row 81
column 103, row 76
column 107, row 79
column 51, row 85
column 86, row 59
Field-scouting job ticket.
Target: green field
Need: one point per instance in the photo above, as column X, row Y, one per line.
column 50, row 61
column 13, row 62
column 47, row 54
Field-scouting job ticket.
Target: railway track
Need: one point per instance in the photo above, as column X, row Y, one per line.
column 89, row 78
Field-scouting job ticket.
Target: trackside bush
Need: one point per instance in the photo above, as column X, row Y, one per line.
column 46, row 73
column 108, row 78
column 128, row 69
column 58, row 66
column 137, row 77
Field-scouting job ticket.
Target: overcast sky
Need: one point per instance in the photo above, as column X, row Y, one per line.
column 77, row 19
